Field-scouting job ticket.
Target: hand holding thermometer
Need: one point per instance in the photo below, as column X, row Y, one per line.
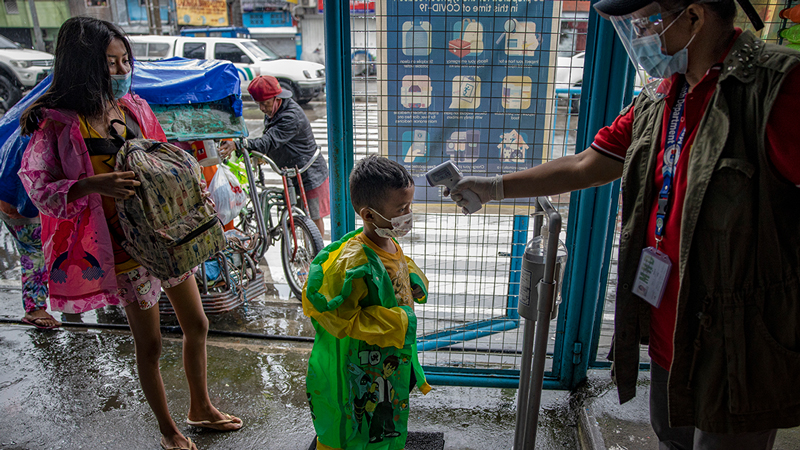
column 448, row 175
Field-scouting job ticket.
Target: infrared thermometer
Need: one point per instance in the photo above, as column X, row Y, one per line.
column 447, row 174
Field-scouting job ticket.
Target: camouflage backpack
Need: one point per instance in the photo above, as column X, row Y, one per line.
column 169, row 225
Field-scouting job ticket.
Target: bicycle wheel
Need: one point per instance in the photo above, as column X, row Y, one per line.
column 309, row 243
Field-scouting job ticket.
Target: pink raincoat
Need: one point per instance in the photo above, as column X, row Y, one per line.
column 75, row 236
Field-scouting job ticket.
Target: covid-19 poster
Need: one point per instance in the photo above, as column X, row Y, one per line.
column 467, row 80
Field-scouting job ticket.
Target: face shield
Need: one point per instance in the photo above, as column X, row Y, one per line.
column 641, row 34
column 642, row 31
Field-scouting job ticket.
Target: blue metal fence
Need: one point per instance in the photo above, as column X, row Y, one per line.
column 490, row 326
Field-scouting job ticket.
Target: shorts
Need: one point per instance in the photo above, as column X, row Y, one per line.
column 319, row 201
column 140, row 287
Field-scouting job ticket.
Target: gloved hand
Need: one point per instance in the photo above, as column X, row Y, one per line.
column 486, row 188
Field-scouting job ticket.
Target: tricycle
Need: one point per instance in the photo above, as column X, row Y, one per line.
column 201, row 100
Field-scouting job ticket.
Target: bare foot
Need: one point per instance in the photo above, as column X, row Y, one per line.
column 41, row 319
column 215, row 420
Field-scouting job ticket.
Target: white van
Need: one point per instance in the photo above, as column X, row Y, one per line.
column 305, row 79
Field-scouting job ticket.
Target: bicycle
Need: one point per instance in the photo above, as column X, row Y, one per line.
column 301, row 240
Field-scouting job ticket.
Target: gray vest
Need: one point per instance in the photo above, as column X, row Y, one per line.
column 736, row 358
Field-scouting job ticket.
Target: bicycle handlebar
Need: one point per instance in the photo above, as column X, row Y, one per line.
column 289, row 171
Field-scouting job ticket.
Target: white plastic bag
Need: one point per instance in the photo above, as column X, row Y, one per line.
column 227, row 194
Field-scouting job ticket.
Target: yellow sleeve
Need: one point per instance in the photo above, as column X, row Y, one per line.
column 375, row 325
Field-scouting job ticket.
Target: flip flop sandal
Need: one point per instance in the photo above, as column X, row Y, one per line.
column 216, row 424
column 190, row 447
column 35, row 322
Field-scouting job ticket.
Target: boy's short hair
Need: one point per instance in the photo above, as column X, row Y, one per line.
column 373, row 177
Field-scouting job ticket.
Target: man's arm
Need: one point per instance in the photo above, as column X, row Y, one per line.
column 589, row 168
column 283, row 130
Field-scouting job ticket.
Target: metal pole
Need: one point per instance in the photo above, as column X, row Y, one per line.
column 340, row 114
column 157, row 16
column 37, row 31
column 524, row 384
column 151, row 24
column 547, row 291
column 527, row 356
column 262, row 230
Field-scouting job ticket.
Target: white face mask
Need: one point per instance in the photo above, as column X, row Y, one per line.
column 401, row 225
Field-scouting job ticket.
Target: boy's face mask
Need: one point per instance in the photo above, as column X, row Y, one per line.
column 401, row 225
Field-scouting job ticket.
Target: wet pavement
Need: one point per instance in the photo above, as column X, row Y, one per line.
column 77, row 388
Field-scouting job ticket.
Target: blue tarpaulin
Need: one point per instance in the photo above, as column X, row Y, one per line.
column 11, row 190
column 165, row 85
column 181, row 81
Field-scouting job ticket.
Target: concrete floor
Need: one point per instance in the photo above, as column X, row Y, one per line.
column 77, row 388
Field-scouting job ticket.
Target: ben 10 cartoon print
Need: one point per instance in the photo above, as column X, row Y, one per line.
column 374, row 403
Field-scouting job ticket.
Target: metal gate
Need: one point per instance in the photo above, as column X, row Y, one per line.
column 469, row 331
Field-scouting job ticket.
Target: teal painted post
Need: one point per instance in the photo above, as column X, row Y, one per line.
column 518, row 241
column 593, row 210
column 340, row 114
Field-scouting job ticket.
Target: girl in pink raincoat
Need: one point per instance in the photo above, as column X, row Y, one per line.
column 78, row 126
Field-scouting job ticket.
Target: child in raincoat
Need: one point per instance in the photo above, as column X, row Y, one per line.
column 360, row 297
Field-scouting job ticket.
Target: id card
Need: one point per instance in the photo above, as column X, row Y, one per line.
column 652, row 275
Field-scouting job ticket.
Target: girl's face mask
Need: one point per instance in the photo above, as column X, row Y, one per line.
column 401, row 225
column 121, row 84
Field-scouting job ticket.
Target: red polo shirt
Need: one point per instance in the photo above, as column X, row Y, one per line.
column 783, row 147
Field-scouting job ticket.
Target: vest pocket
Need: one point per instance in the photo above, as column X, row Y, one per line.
column 728, row 197
column 764, row 350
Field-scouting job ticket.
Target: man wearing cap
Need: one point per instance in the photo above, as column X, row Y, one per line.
column 289, row 141
column 711, row 198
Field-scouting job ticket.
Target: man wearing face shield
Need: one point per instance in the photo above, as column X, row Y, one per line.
column 710, row 183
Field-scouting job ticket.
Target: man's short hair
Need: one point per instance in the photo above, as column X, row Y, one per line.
column 373, row 177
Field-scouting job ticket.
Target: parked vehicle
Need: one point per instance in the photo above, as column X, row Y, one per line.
column 569, row 71
column 363, row 64
column 20, row 69
column 569, row 76
column 234, row 32
column 305, row 79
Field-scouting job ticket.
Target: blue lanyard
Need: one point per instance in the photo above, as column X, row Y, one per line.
column 672, row 151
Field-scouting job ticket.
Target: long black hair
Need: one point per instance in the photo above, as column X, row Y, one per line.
column 81, row 78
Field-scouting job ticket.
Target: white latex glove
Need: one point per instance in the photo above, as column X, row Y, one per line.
column 486, row 188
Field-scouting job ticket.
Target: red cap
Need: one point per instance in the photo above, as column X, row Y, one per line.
column 265, row 87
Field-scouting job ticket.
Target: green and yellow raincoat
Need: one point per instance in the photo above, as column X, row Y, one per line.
column 365, row 350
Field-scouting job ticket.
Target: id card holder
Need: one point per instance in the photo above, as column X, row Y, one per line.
column 652, row 276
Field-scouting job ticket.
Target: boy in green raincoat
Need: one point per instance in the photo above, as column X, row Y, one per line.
column 360, row 297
